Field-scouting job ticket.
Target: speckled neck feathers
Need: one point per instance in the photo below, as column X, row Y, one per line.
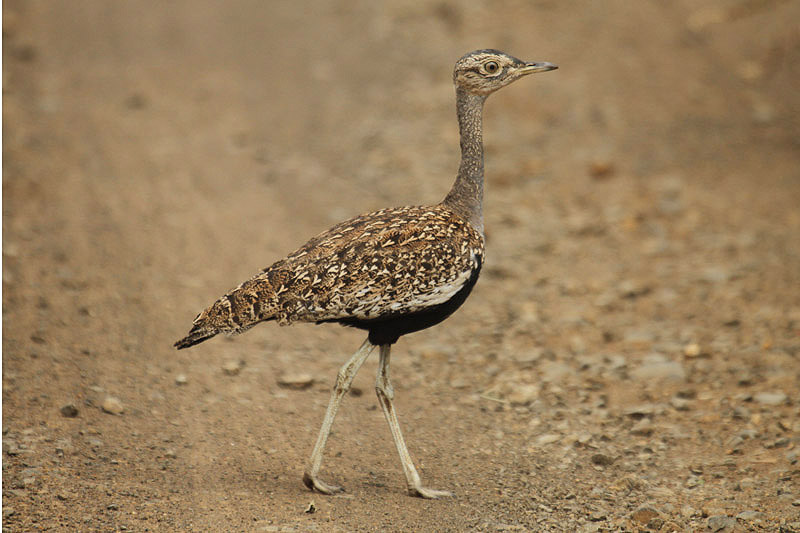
column 466, row 196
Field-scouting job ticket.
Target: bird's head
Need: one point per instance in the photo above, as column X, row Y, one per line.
column 484, row 71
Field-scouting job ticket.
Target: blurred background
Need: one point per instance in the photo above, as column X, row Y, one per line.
column 637, row 318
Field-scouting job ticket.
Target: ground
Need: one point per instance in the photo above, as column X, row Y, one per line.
column 628, row 361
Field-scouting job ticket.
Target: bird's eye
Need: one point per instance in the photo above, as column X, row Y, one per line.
column 491, row 67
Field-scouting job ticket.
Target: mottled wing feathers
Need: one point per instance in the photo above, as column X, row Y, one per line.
column 387, row 263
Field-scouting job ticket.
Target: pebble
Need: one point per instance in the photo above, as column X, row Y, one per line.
column 751, row 515
column 296, row 381
column 640, row 411
column 721, row 523
column 11, row 447
column 643, row 515
column 694, row 350
column 69, row 411
column 548, row 438
column 643, row 427
column 181, row 379
column 232, row 367
column 602, row 459
column 679, row 404
column 771, row 398
column 112, row 405
column 524, row 394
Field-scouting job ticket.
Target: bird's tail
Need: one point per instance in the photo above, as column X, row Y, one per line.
column 237, row 311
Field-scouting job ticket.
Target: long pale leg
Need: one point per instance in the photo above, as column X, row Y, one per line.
column 386, row 394
column 343, row 381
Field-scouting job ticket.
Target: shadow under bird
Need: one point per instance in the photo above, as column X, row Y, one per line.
column 391, row 272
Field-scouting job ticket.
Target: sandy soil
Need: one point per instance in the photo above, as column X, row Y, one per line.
column 629, row 360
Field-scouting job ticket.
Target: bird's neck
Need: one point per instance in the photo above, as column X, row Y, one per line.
column 466, row 196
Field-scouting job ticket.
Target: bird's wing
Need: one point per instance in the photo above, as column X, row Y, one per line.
column 387, row 263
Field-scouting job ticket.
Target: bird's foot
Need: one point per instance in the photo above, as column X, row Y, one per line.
column 320, row 486
column 430, row 494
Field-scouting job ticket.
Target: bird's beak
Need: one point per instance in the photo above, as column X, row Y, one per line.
column 540, row 66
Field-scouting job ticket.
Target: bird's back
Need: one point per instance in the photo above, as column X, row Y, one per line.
column 373, row 268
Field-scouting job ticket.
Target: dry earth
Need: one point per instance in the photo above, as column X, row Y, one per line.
column 629, row 360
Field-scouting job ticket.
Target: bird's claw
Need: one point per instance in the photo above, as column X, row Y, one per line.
column 430, row 494
column 320, row 486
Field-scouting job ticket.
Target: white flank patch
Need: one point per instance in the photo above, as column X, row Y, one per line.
column 442, row 293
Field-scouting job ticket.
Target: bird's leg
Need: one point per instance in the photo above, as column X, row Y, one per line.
column 383, row 387
column 343, row 381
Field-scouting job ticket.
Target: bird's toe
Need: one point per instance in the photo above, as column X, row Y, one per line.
column 313, row 483
column 430, row 494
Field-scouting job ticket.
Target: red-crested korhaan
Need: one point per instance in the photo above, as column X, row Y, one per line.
column 391, row 272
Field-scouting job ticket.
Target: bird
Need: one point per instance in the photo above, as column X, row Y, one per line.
column 390, row 272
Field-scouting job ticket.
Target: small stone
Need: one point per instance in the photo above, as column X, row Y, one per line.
column 8, row 512
column 780, row 442
column 296, row 381
column 643, row 427
column 548, row 438
column 11, row 447
column 694, row 350
column 751, row 515
column 181, row 379
column 602, row 459
column 679, row 404
column 170, row 454
column 112, row 507
column 641, row 411
column 69, row 411
column 232, row 367
column 771, row 398
column 643, row 515
column 721, row 523
column 112, row 405
column 524, row 394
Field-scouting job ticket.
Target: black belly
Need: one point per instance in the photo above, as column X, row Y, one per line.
column 386, row 330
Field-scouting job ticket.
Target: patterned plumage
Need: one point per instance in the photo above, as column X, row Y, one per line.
column 391, row 272
column 368, row 269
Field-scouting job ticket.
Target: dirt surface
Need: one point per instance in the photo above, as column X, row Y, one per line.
column 629, row 360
